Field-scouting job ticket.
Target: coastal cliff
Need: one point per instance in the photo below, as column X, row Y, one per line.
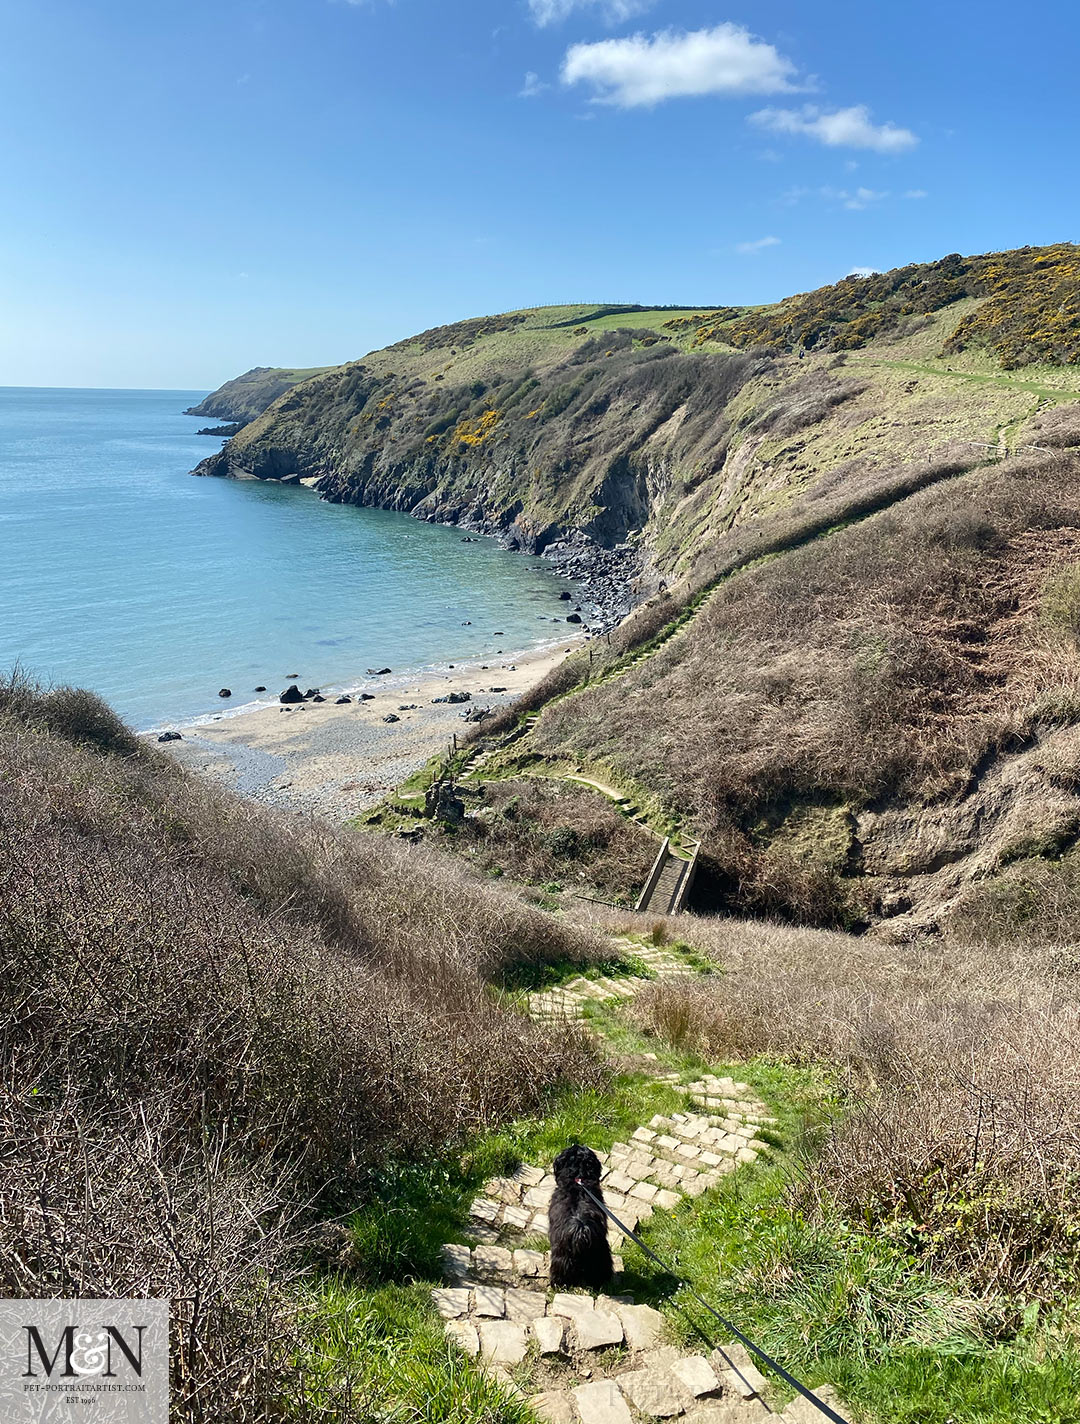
column 849, row 523
column 672, row 427
column 245, row 397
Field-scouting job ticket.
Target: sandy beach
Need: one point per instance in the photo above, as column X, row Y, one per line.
column 336, row 761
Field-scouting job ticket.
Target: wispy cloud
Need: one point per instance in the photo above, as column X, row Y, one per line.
column 644, row 70
column 749, row 248
column 551, row 12
column 843, row 128
column 854, row 198
column 916, row 193
column 533, row 86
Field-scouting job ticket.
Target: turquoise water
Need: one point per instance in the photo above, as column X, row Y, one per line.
column 122, row 573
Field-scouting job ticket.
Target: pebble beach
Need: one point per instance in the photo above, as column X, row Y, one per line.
column 336, row 761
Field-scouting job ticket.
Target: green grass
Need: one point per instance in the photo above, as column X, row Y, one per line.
column 385, row 1348
column 980, row 377
column 530, row 977
column 835, row 1304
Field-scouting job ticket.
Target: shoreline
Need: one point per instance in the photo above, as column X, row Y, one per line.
column 336, row 761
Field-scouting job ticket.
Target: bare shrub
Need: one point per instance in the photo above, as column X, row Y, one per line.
column 962, row 1136
column 1060, row 607
column 214, row 1025
column 553, row 831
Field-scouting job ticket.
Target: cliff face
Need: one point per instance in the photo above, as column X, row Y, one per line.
column 586, row 442
column 247, row 396
column 611, row 421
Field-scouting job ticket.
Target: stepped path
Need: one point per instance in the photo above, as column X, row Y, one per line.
column 568, row 1000
column 665, row 891
column 603, row 1359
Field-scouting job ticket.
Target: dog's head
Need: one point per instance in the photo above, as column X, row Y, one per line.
column 577, row 1164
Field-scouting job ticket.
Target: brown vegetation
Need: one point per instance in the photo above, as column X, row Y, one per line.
column 962, row 1135
column 548, row 831
column 214, row 1025
column 875, row 667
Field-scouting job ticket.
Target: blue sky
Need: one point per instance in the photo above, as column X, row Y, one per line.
column 192, row 189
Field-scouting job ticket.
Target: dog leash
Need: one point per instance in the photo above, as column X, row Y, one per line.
column 777, row 1368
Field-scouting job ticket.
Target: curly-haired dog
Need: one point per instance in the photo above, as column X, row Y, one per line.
column 580, row 1254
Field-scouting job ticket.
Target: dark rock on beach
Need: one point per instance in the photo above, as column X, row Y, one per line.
column 573, row 618
column 343, row 699
column 391, row 717
column 291, row 694
column 170, row 737
column 454, row 697
column 377, row 672
column 225, row 692
column 260, row 689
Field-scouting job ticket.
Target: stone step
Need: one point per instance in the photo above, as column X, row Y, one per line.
column 640, row 1378
column 675, row 1156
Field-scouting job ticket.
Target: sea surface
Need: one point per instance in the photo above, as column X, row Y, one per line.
column 122, row 573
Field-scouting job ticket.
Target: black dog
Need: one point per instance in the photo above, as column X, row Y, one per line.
column 580, row 1254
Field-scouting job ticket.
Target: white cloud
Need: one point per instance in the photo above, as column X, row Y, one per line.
column 854, row 198
column 643, row 70
column 550, row 12
column 749, row 248
column 844, row 128
column 916, row 193
column 863, row 272
column 533, row 86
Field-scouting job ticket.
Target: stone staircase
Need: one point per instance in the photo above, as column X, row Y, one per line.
column 568, row 1001
column 580, row 1359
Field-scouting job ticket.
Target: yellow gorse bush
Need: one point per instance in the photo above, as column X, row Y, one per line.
column 475, row 432
column 1031, row 311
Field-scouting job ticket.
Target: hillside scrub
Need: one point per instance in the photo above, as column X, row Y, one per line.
column 836, row 499
column 1030, row 312
column 878, row 665
column 553, row 832
column 960, row 1139
column 215, row 1026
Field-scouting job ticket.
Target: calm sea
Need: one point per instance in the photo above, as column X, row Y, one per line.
column 121, row 573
